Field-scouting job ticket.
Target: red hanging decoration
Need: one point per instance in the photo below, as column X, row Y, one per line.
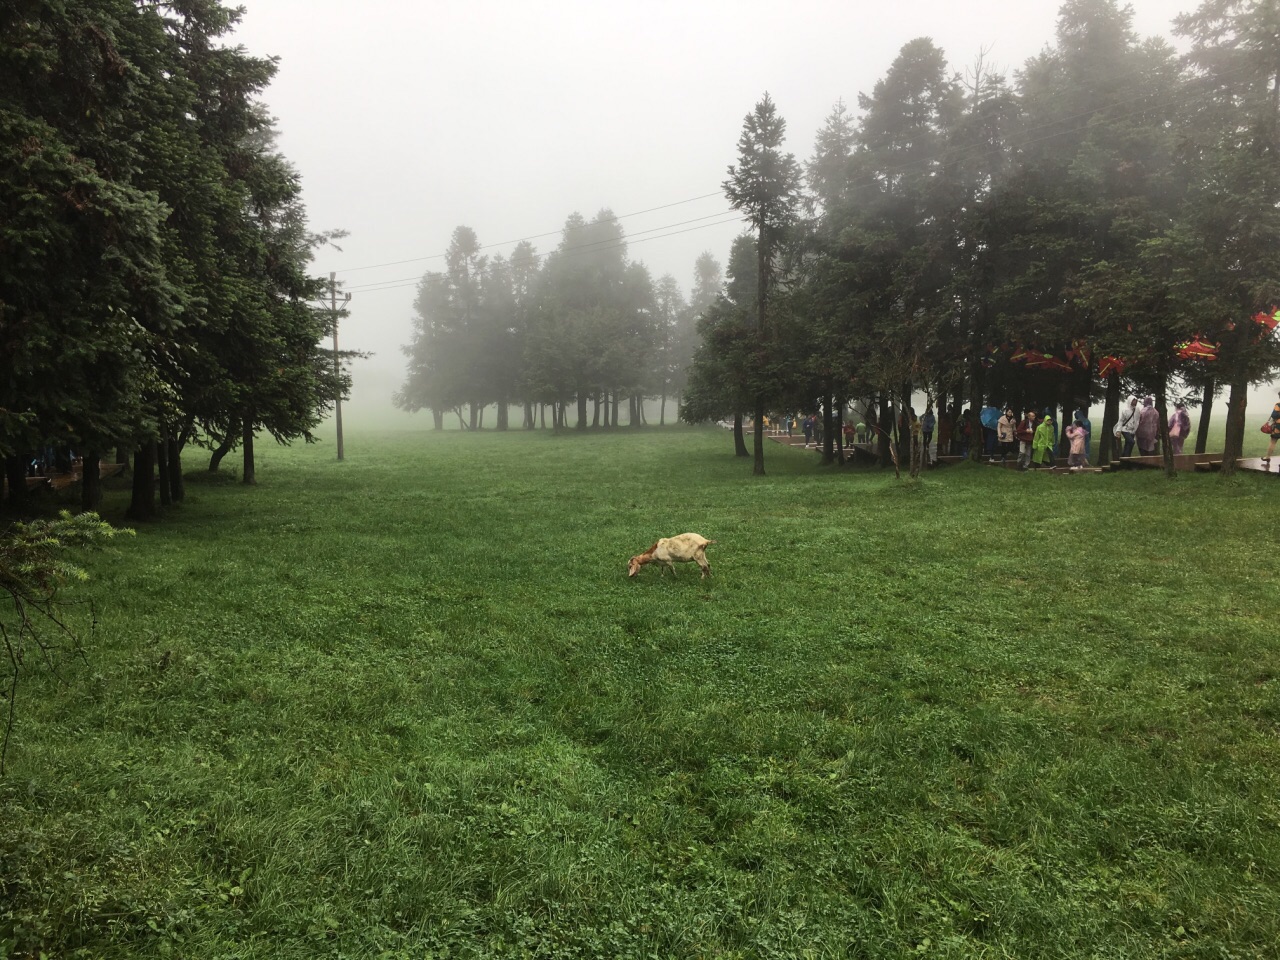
column 1268, row 320
column 1197, row 349
column 1079, row 353
column 1047, row 361
column 1109, row 364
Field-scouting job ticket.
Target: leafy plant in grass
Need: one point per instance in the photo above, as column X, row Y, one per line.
column 33, row 565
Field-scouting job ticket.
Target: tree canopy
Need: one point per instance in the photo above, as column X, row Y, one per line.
column 154, row 284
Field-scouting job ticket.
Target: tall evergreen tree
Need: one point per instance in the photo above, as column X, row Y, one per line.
column 765, row 184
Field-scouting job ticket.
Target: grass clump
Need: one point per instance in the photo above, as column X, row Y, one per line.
column 410, row 705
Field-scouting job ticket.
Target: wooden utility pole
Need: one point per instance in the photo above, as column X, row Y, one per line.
column 337, row 362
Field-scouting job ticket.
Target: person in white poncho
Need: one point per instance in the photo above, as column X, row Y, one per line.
column 1127, row 426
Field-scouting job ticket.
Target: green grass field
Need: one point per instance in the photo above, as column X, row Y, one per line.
column 410, row 706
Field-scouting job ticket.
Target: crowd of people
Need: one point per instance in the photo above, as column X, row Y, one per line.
column 1031, row 439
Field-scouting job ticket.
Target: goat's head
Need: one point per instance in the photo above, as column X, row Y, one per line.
column 635, row 563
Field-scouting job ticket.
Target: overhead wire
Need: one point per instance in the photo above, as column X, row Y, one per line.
column 600, row 244
column 606, row 243
column 536, row 236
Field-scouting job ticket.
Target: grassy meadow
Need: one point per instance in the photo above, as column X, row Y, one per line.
column 410, row 706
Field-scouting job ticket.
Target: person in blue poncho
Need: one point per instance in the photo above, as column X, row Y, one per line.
column 989, row 417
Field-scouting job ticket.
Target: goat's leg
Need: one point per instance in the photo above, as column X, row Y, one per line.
column 706, row 567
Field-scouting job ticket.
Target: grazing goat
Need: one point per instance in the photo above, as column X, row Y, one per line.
column 672, row 550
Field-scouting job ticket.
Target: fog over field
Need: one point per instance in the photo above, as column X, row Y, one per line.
column 407, row 120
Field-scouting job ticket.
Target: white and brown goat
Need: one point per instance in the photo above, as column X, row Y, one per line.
column 672, row 550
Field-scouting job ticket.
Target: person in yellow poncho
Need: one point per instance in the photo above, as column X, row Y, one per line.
column 1042, row 444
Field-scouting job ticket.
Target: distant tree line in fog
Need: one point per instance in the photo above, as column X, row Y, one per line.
column 154, row 251
column 582, row 327
column 1109, row 221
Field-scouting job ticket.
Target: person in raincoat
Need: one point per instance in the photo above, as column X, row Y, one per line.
column 1274, row 420
column 1081, row 416
column 1148, row 428
column 989, row 417
column 1078, row 458
column 1007, row 434
column 1048, row 415
column 927, row 424
column 1042, row 445
column 1127, row 426
column 1026, row 434
column 1179, row 427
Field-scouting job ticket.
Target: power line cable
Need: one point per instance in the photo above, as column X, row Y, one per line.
column 608, row 243
column 536, row 236
column 601, row 244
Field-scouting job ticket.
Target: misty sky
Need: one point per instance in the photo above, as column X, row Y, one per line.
column 406, row 120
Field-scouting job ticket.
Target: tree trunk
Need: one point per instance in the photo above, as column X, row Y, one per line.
column 474, row 416
column 228, row 443
column 883, row 437
column 1110, row 416
column 1064, row 402
column 739, row 441
column 250, row 477
column 164, row 480
column 896, row 445
column 839, row 445
column 975, row 412
column 828, row 431
column 1166, row 449
column 582, row 410
column 15, row 472
column 91, row 480
column 1206, row 407
column 177, row 486
column 757, row 467
column 142, row 504
column 437, row 419
column 1234, row 445
column 613, row 421
column 662, row 410
column 502, row 415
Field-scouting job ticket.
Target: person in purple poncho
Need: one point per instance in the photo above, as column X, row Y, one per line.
column 1148, row 428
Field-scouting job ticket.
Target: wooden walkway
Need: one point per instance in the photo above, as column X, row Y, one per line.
column 1200, row 462
column 1252, row 464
